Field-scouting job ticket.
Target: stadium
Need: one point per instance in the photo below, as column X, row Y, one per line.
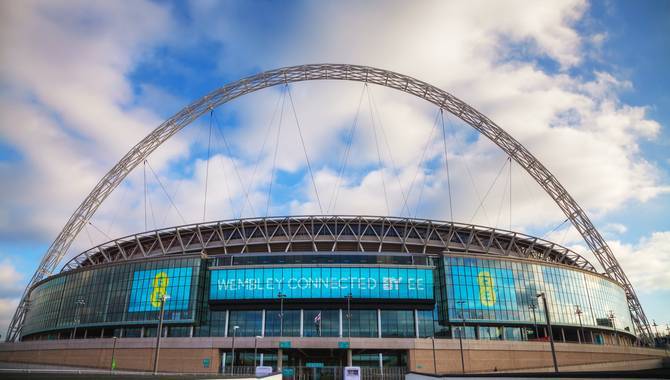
column 310, row 295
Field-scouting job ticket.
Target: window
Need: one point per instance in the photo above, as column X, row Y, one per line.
column 248, row 322
column 397, row 323
column 274, row 324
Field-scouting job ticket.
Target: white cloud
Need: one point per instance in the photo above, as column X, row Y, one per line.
column 646, row 263
column 11, row 287
column 72, row 111
column 68, row 107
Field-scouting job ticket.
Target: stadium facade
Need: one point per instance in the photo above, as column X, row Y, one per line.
column 312, row 294
column 374, row 285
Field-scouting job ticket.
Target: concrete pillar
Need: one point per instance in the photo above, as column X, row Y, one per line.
column 225, row 326
column 349, row 358
column 379, row 323
column 263, row 323
column 341, row 323
column 280, row 359
column 416, row 323
column 302, row 322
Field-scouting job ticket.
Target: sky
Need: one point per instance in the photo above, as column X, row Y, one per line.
column 582, row 85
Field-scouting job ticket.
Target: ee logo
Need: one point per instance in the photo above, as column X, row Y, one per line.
column 487, row 293
column 159, row 288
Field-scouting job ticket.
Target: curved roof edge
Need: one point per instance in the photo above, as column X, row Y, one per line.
column 327, row 233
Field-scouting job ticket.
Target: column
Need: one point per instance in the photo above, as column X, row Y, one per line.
column 225, row 327
column 263, row 323
column 416, row 323
column 301, row 322
column 341, row 324
column 379, row 323
column 280, row 359
column 349, row 358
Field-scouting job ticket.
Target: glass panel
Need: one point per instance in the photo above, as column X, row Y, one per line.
column 397, row 323
column 273, row 323
column 248, row 322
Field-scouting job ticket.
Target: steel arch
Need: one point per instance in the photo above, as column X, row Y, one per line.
column 357, row 73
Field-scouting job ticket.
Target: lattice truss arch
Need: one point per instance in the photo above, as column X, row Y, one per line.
column 328, row 234
column 385, row 78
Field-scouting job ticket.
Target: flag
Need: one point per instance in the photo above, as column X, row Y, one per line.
column 317, row 324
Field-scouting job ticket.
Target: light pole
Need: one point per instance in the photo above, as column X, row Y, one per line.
column 611, row 318
column 551, row 332
column 281, row 313
column 655, row 327
column 232, row 361
column 112, row 367
column 434, row 358
column 532, row 307
column 348, row 297
column 460, row 335
column 256, row 348
column 579, row 312
column 163, row 298
column 77, row 319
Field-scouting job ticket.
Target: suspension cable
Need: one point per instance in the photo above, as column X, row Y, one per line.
column 165, row 191
column 144, row 172
column 151, row 209
column 88, row 234
column 304, row 148
column 510, row 192
column 555, row 228
column 416, row 171
column 99, row 230
column 481, row 204
column 167, row 210
column 446, row 165
column 117, row 210
column 379, row 154
column 280, row 99
column 394, row 167
column 334, row 196
column 209, row 147
column 274, row 156
column 237, row 172
column 502, row 199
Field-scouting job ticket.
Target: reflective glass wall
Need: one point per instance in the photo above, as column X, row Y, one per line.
column 495, row 290
column 128, row 293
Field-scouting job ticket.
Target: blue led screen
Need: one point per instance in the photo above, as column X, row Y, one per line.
column 492, row 287
column 321, row 282
column 149, row 285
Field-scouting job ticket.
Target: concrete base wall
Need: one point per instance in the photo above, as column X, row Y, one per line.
column 494, row 356
column 188, row 354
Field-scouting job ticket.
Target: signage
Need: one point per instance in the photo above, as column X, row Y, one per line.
column 352, row 373
column 285, row 344
column 262, row 371
column 287, row 371
column 494, row 287
column 343, row 344
column 205, row 363
column 149, row 286
column 314, row 365
column 321, row 282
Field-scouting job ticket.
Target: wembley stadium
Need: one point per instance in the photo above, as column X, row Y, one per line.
column 311, row 295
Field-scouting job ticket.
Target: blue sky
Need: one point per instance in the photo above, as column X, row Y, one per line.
column 582, row 85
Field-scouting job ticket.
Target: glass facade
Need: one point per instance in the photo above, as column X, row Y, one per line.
column 494, row 297
column 290, row 325
column 495, row 290
column 127, row 293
